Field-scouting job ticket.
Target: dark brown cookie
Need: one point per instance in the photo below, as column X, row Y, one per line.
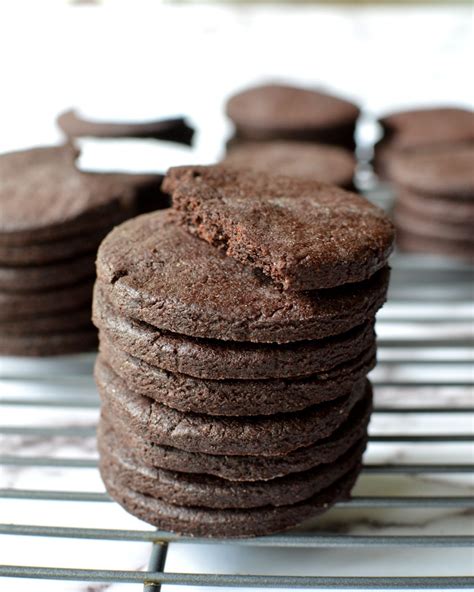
column 153, row 270
column 44, row 197
column 184, row 489
column 172, row 130
column 45, row 277
column 39, row 324
column 49, row 344
column 219, row 360
column 301, row 160
column 280, row 111
column 304, row 235
column 412, row 130
column 255, row 436
column 18, row 305
column 228, row 523
column 446, row 171
column 243, row 468
column 229, row 397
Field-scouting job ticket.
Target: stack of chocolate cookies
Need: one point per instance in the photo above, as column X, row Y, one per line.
column 406, row 132
column 434, row 208
column 283, row 112
column 236, row 334
column 52, row 219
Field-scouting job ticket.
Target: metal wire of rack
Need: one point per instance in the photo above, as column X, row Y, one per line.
column 426, row 326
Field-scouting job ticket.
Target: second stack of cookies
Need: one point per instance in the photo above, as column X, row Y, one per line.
column 52, row 220
column 231, row 406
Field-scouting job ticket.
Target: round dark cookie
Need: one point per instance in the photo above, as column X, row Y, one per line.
column 44, row 197
column 446, row 171
column 206, row 491
column 62, row 322
column 229, row 397
column 45, row 277
column 258, row 435
column 152, row 270
column 219, row 360
column 72, row 342
column 206, row 522
column 305, row 235
column 455, row 211
column 273, row 111
column 172, row 130
column 301, row 160
column 242, row 468
column 19, row 305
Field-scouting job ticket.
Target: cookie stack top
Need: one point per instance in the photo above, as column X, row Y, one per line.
column 434, row 208
column 52, row 219
column 280, row 111
column 304, row 235
column 418, row 129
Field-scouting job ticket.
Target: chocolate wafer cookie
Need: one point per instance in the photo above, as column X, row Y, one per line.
column 304, row 235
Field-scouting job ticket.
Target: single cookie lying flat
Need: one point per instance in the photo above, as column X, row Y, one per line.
column 304, row 235
column 301, row 160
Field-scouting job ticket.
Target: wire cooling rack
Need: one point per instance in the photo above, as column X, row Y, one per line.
column 425, row 349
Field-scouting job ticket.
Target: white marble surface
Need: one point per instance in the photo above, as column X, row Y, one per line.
column 149, row 60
